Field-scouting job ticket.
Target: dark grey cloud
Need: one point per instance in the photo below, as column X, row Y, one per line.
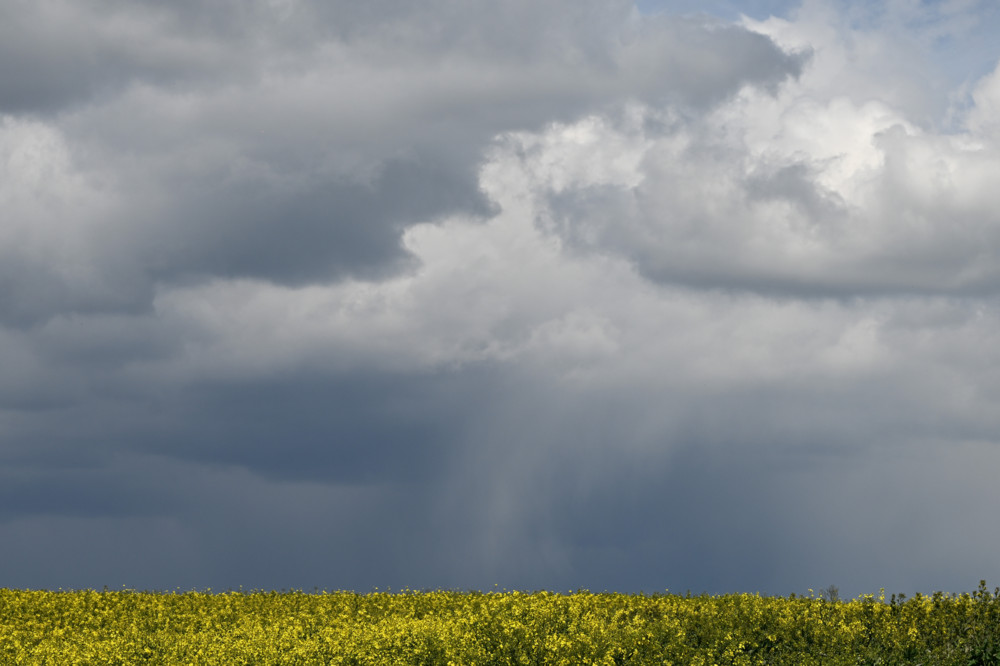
column 319, row 232
column 351, row 429
column 112, row 492
column 484, row 475
column 295, row 142
column 547, row 295
column 57, row 54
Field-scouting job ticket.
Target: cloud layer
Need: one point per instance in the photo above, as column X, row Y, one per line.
column 567, row 295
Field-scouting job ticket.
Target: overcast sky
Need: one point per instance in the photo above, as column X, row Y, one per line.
column 549, row 295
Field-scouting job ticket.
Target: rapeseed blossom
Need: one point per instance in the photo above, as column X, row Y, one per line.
column 442, row 627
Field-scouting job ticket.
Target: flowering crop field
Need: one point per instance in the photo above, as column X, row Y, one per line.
column 127, row 627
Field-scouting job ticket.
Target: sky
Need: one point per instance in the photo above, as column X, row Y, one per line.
column 574, row 294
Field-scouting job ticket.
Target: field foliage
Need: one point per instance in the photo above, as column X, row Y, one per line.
column 127, row 627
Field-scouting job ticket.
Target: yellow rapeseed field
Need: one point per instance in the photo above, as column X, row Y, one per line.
column 127, row 627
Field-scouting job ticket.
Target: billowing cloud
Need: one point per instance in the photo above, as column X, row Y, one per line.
column 546, row 295
column 294, row 142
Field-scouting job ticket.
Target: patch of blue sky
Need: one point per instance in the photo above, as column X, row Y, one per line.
column 955, row 39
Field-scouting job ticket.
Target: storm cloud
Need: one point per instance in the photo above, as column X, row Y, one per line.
column 545, row 295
